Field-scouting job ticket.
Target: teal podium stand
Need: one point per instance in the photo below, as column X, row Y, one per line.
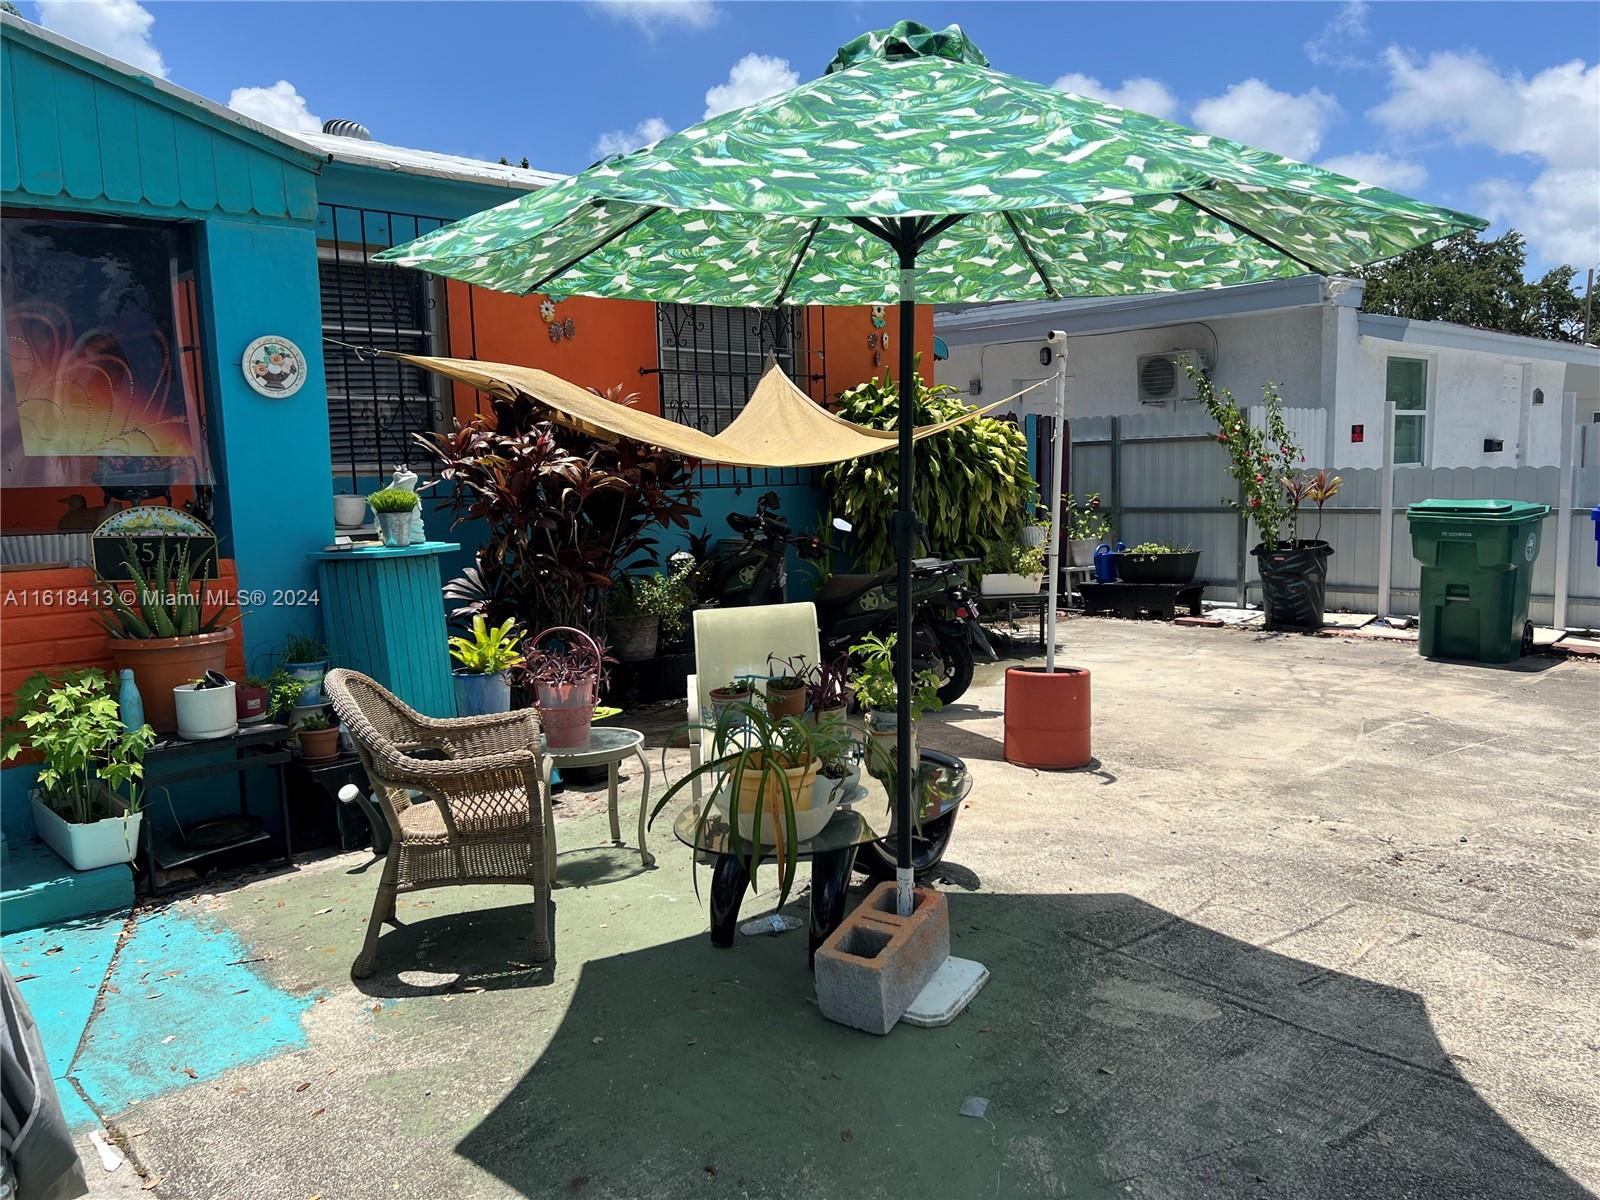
column 384, row 616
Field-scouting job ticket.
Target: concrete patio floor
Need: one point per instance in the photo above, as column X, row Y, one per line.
column 1321, row 921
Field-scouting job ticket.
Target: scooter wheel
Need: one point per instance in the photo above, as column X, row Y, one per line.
column 956, row 669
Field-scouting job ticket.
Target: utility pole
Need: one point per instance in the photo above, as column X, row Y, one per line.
column 1588, row 306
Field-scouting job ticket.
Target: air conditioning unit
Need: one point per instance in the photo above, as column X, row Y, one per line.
column 1164, row 379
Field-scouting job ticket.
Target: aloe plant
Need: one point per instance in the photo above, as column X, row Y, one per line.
column 163, row 602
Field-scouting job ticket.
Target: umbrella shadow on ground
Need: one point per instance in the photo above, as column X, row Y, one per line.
column 480, row 949
column 1123, row 1051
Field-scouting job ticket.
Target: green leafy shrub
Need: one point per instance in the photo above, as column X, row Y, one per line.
column 1261, row 460
column 1086, row 521
column 74, row 722
column 393, row 500
column 1013, row 558
column 666, row 595
column 972, row 482
column 873, row 679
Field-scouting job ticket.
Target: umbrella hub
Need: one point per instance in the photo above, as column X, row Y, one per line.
column 908, row 39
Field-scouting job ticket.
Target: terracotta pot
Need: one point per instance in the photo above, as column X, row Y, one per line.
column 1047, row 717
column 786, row 702
column 319, row 745
column 566, row 713
column 161, row 664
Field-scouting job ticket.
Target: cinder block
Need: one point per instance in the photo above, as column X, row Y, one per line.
column 876, row 963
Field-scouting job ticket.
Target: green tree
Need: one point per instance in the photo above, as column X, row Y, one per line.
column 1477, row 281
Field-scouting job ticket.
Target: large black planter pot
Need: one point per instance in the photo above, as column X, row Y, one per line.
column 1176, row 567
column 1294, row 584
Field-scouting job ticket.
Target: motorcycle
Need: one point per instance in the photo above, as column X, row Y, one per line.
column 946, row 637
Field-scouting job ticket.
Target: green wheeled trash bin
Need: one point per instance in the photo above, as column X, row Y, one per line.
column 1477, row 561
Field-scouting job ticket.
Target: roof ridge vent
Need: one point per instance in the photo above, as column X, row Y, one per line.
column 338, row 127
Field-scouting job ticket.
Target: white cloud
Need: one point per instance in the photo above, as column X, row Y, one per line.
column 280, row 106
column 1552, row 118
column 754, row 77
column 120, row 28
column 1387, row 171
column 620, row 141
column 1337, row 42
column 652, row 15
column 1258, row 115
column 1139, row 93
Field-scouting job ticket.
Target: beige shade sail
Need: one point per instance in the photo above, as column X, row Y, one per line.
column 780, row 426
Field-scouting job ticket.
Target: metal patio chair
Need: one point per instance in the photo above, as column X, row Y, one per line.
column 461, row 798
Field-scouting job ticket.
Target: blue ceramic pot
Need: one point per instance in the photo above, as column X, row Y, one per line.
column 481, row 695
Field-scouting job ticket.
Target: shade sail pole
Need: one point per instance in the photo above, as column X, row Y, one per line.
column 905, row 550
column 1058, row 345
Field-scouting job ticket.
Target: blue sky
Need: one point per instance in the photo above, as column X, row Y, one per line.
column 1489, row 107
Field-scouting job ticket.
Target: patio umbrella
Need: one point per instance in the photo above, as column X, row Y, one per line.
column 912, row 171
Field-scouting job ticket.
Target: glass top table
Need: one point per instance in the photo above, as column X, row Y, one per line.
column 864, row 816
column 608, row 746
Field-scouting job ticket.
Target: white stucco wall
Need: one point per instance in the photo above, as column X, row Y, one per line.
column 1472, row 396
column 1244, row 351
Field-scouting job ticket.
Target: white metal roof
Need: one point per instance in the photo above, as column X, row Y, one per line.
column 408, row 161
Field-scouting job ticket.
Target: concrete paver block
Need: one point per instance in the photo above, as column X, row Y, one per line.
column 876, row 963
column 1199, row 622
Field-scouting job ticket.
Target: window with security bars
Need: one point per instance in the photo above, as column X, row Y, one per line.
column 711, row 360
column 377, row 405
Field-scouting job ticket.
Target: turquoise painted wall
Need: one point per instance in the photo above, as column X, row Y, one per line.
column 277, row 493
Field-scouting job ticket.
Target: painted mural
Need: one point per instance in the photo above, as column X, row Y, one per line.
column 94, row 387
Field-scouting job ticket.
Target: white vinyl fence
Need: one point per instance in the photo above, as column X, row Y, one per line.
column 1163, row 478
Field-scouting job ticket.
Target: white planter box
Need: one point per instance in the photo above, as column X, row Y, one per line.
column 88, row 847
column 1011, row 585
column 206, row 713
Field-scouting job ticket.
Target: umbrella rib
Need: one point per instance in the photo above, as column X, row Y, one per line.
column 1038, row 267
column 597, row 247
column 1251, row 233
column 800, row 258
column 940, row 226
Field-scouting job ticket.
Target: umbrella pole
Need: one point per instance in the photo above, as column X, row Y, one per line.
column 905, row 537
column 1058, row 344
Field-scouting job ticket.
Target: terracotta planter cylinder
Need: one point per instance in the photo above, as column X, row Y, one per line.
column 319, row 745
column 161, row 664
column 786, row 702
column 1047, row 717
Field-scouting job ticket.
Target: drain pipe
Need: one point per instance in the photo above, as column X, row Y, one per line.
column 1057, row 342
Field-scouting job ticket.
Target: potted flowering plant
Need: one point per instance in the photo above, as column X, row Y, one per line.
column 568, row 669
column 1086, row 527
column 1294, row 570
column 87, row 801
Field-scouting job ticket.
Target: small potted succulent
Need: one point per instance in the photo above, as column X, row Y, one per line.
column 873, row 683
column 485, row 655
column 786, row 686
column 207, row 707
column 568, row 669
column 1012, row 569
column 306, row 659
column 394, row 507
column 318, row 737
column 1157, row 562
column 1087, row 526
column 252, row 697
column 88, row 795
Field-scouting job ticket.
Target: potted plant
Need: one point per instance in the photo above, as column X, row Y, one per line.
column 828, row 689
column 283, row 693
column 568, row 669
column 1294, row 571
column 349, row 512
column 394, row 507
column 318, row 737
column 252, row 699
column 207, row 707
column 1086, row 527
column 87, row 799
column 482, row 685
column 306, row 659
column 786, row 686
column 731, row 694
column 163, row 629
column 765, row 771
column 1037, row 531
column 1157, row 562
column 874, row 686
column 1011, row 569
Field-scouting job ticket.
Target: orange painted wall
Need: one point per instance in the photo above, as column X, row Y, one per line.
column 44, row 630
column 850, row 359
column 614, row 338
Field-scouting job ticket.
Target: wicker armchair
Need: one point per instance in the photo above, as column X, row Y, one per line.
column 479, row 817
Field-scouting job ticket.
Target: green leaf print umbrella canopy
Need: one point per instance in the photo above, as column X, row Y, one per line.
column 912, row 170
